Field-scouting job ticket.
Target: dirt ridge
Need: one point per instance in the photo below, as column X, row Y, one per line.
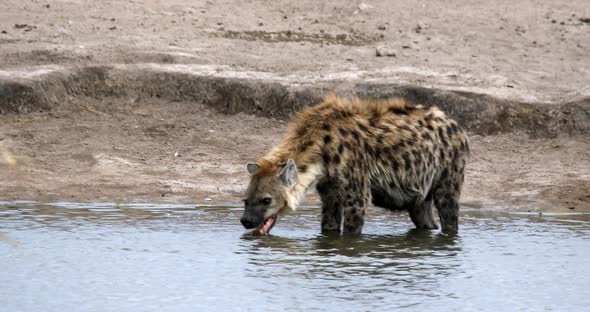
column 265, row 95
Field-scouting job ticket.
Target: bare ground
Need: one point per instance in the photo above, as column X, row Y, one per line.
column 123, row 149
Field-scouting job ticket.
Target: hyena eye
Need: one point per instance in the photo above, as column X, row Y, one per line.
column 266, row 201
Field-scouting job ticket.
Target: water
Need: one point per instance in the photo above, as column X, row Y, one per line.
column 108, row 257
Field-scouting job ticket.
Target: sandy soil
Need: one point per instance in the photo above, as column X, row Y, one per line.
column 149, row 150
column 529, row 50
column 145, row 149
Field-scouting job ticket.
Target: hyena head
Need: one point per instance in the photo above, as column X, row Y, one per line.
column 267, row 195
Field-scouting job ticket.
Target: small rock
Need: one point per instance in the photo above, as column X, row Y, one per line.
column 208, row 199
column 4, row 32
column 46, row 5
column 113, row 19
column 553, row 21
column 510, row 86
column 113, row 28
column 562, row 23
column 176, row 154
column 382, row 27
column 260, row 24
column 385, row 51
column 406, row 47
column 418, row 28
column 584, row 19
column 341, row 37
column 363, row 6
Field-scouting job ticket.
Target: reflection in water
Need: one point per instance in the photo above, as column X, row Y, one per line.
column 153, row 257
column 371, row 266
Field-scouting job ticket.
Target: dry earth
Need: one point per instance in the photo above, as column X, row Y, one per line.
column 123, row 149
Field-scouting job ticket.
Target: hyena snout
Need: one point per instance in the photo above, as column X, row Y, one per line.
column 247, row 223
column 251, row 221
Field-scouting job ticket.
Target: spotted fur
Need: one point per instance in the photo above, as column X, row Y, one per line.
column 387, row 152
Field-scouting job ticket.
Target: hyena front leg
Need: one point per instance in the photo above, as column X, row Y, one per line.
column 331, row 206
column 344, row 205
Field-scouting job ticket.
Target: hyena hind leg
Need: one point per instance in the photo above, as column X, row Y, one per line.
column 447, row 203
column 422, row 214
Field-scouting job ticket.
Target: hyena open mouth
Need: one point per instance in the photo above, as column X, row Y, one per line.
column 266, row 226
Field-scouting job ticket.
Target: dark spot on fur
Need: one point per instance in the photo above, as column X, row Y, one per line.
column 397, row 110
column 450, row 131
column 363, row 128
column 336, row 159
column 373, row 122
column 342, row 114
column 377, row 153
column 444, row 142
column 326, row 158
column 305, row 146
column 421, row 123
column 347, row 145
column 442, row 155
column 340, row 148
column 404, row 128
column 430, row 127
column 343, row 132
column 326, row 127
column 380, row 139
column 302, row 168
column 426, row 136
column 356, row 136
column 417, row 156
column 444, row 174
column 327, row 139
column 407, row 161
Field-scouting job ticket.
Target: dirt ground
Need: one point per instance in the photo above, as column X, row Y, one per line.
column 147, row 149
column 528, row 50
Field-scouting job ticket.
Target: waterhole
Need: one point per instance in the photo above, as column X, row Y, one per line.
column 153, row 257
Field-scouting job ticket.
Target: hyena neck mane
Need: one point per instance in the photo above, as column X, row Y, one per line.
column 308, row 169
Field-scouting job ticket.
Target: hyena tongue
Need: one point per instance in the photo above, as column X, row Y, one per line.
column 265, row 227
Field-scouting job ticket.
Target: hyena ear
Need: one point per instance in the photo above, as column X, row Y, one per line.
column 252, row 168
column 289, row 174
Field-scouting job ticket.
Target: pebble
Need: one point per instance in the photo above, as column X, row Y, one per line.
column 363, row 6
column 385, row 51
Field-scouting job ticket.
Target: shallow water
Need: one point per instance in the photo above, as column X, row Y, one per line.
column 148, row 257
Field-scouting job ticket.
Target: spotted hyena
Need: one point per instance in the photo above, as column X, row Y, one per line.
column 387, row 152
